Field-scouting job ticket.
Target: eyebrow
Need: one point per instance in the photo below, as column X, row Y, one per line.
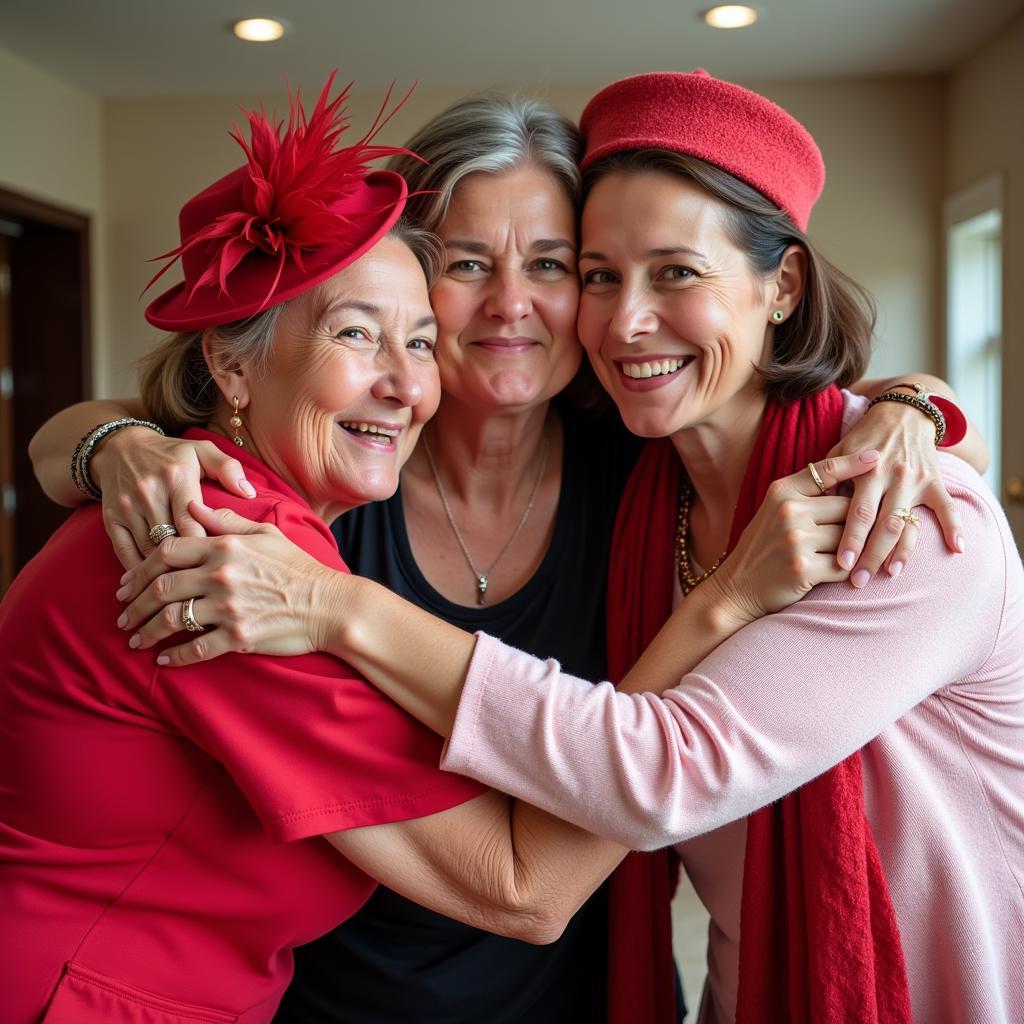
column 478, row 248
column 670, row 250
column 371, row 309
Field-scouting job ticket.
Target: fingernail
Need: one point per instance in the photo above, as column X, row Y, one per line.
column 846, row 559
column 123, row 620
column 163, row 660
column 895, row 568
column 122, row 593
column 960, row 546
column 135, row 641
column 870, row 456
column 860, row 578
column 247, row 488
column 126, row 577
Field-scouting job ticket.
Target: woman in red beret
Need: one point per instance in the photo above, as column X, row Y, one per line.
column 843, row 777
column 513, row 488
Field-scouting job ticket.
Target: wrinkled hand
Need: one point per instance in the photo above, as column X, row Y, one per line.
column 907, row 476
column 790, row 545
column 147, row 478
column 248, row 580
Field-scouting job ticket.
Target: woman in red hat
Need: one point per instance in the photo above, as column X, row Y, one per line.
column 885, row 881
column 511, row 488
column 161, row 847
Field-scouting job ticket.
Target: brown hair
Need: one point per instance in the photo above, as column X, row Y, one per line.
column 827, row 340
column 176, row 384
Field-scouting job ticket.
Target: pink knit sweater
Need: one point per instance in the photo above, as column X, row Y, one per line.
column 924, row 672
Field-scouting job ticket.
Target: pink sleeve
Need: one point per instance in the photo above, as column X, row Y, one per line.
column 780, row 702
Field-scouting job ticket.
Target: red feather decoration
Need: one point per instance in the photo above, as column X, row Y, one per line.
column 293, row 181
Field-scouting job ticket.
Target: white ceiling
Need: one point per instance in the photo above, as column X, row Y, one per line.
column 182, row 47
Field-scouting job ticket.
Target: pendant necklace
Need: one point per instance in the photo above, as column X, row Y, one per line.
column 483, row 578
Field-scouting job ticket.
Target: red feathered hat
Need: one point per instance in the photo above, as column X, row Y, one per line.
column 721, row 123
column 298, row 211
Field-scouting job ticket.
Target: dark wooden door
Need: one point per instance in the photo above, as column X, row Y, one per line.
column 48, row 354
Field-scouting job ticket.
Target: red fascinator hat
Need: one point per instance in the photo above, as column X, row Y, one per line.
column 715, row 121
column 298, row 211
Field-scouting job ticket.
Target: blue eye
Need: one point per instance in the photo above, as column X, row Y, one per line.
column 423, row 344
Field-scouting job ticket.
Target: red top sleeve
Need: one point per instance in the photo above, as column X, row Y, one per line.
column 312, row 745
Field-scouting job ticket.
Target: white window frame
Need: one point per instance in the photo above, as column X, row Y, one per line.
column 981, row 197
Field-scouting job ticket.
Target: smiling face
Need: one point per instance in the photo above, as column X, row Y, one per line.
column 507, row 302
column 350, row 383
column 672, row 316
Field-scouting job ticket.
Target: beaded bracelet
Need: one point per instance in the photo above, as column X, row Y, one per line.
column 87, row 445
column 918, row 401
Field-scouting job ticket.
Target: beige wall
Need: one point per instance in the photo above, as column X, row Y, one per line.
column 51, row 149
column 878, row 221
column 986, row 135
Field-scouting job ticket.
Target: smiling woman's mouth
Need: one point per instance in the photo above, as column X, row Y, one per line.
column 371, row 433
column 654, row 367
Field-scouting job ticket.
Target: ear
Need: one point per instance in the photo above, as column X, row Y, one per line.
column 231, row 380
column 787, row 285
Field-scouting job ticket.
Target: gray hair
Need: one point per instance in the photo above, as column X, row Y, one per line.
column 176, row 384
column 486, row 132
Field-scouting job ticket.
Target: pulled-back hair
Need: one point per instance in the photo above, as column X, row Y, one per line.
column 827, row 339
column 176, row 384
column 492, row 133
column 486, row 132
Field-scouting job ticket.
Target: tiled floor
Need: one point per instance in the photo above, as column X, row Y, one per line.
column 689, row 939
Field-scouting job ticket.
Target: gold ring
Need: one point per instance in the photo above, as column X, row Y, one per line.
column 161, row 532
column 906, row 515
column 816, row 477
column 188, row 620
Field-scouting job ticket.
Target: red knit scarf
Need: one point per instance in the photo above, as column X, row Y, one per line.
column 819, row 940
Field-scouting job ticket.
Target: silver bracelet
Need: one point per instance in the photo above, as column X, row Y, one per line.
column 87, row 445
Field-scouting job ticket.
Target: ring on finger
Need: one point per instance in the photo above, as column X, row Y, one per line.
column 906, row 515
column 188, row 619
column 816, row 477
column 161, row 532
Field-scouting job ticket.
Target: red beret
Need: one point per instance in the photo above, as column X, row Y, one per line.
column 716, row 121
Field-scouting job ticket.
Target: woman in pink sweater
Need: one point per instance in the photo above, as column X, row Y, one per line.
column 885, row 722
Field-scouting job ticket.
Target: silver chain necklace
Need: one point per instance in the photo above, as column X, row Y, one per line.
column 482, row 578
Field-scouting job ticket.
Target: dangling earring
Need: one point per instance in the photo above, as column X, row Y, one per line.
column 778, row 316
column 236, row 423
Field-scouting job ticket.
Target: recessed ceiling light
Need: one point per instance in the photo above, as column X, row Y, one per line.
column 259, row 30
column 730, row 16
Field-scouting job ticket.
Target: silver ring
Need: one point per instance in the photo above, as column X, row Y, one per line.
column 188, row 620
column 161, row 532
column 816, row 477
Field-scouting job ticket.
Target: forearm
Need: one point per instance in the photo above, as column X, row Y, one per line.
column 51, row 447
column 702, row 622
column 972, row 449
column 419, row 661
column 494, row 863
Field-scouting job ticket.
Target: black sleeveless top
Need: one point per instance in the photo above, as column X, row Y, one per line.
column 395, row 961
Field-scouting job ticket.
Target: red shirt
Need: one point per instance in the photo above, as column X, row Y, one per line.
column 160, row 847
